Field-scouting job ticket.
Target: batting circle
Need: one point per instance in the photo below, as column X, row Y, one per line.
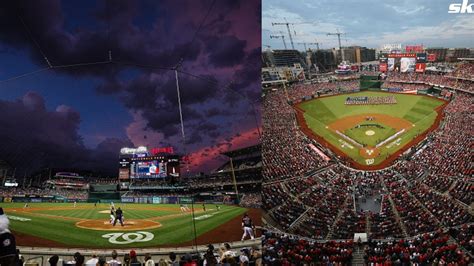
column 129, row 225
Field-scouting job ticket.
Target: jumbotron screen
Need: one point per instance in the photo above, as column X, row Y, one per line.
column 153, row 167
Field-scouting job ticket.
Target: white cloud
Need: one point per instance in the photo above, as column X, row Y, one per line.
column 368, row 23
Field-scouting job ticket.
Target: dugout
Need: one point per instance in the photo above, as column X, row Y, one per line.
column 370, row 82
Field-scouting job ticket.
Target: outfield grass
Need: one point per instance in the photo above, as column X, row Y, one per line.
column 61, row 228
column 417, row 109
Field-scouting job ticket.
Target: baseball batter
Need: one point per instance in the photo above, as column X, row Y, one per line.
column 112, row 215
column 248, row 227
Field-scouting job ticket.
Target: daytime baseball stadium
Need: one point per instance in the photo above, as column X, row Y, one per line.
column 367, row 152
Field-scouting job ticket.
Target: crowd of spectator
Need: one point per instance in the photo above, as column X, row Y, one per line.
column 404, row 86
column 464, row 235
column 463, row 191
column 282, row 249
column 440, row 80
column 464, row 70
column 10, row 192
column 222, row 255
column 285, row 150
column 453, row 139
column 422, row 193
column 426, row 249
column 251, row 200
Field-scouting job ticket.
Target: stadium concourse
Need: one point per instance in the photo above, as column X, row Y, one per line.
column 417, row 211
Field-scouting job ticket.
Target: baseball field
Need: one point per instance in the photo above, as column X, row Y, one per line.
column 369, row 136
column 145, row 225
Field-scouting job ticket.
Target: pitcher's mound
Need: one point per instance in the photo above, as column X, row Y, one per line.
column 129, row 225
column 369, row 132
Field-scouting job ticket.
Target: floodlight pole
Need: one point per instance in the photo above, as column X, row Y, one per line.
column 233, row 179
column 194, row 223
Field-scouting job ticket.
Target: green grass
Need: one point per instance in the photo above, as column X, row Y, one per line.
column 174, row 229
column 417, row 109
column 360, row 135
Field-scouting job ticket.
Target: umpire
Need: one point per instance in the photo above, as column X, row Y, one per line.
column 118, row 216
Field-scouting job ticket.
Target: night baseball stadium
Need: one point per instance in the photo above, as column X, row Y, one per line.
column 367, row 134
column 130, row 133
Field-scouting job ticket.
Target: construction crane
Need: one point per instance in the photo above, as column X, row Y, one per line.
column 315, row 43
column 278, row 37
column 288, row 28
column 339, row 40
column 303, row 43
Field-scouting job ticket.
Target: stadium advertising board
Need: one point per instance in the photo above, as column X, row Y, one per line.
column 127, row 200
column 431, row 57
column 420, row 62
column 383, row 63
column 414, row 48
column 401, row 55
column 156, row 151
column 172, row 200
column 392, row 48
column 391, row 64
column 137, row 150
column 185, row 200
column 154, row 167
column 407, row 64
column 124, row 173
column 420, row 67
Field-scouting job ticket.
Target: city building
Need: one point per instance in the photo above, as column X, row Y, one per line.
column 287, row 58
column 267, row 58
column 324, row 60
column 453, row 54
column 439, row 52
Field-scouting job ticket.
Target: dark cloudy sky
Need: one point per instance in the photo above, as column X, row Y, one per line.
column 79, row 117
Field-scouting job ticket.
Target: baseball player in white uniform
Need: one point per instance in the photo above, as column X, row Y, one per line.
column 112, row 214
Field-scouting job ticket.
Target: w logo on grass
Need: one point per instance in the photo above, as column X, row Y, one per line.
column 369, row 161
column 128, row 238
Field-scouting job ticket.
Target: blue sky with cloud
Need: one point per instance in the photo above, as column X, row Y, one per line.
column 368, row 23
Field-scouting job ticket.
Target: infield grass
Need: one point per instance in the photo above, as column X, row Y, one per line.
column 380, row 133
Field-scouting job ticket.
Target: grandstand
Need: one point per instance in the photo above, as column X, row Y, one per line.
column 417, row 210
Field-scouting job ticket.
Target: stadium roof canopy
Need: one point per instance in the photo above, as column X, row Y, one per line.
column 243, row 151
column 467, row 59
